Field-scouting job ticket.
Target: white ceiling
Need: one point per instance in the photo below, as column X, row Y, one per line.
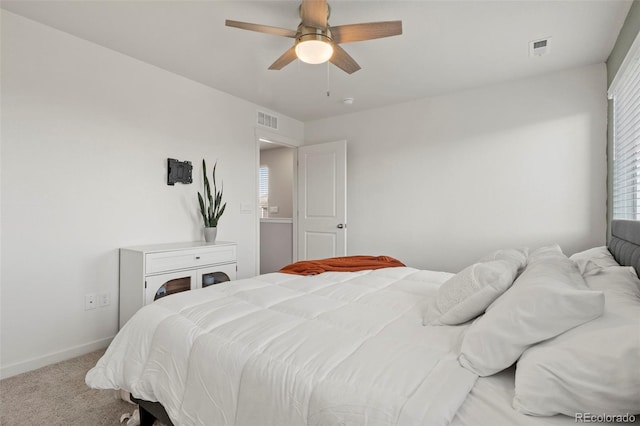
column 446, row 45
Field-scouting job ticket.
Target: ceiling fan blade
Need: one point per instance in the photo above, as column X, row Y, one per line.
column 284, row 60
column 366, row 31
column 342, row 60
column 284, row 32
column 314, row 13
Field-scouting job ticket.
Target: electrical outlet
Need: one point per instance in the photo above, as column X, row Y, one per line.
column 104, row 299
column 89, row 301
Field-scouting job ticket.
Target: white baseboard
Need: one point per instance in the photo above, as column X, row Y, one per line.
column 43, row 361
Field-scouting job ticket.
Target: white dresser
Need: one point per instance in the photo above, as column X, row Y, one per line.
column 153, row 271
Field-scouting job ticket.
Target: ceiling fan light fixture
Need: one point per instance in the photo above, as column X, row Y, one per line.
column 314, row 48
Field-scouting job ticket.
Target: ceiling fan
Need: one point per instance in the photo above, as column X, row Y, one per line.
column 316, row 42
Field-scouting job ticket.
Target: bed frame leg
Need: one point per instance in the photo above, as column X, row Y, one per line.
column 150, row 412
column 146, row 418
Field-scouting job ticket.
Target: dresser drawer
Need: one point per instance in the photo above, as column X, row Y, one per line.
column 184, row 259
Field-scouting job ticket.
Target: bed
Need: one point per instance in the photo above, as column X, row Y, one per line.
column 500, row 343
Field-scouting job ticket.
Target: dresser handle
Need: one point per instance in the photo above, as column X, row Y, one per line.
column 197, row 257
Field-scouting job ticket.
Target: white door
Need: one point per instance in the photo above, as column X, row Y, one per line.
column 322, row 200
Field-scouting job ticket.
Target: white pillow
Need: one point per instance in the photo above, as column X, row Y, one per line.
column 547, row 299
column 593, row 368
column 518, row 256
column 468, row 293
column 592, row 260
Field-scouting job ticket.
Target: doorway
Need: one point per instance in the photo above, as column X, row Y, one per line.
column 276, row 204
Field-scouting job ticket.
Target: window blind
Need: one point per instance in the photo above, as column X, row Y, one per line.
column 263, row 186
column 626, row 139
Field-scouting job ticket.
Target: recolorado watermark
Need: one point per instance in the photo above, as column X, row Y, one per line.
column 604, row 418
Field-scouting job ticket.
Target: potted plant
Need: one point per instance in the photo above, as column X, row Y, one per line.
column 211, row 207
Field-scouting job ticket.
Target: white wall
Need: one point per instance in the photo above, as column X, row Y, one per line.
column 439, row 182
column 86, row 133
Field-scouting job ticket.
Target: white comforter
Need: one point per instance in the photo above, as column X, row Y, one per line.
column 279, row 349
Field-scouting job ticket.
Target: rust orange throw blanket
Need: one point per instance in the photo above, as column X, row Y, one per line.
column 341, row 264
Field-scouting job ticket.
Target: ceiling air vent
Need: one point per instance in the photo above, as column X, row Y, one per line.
column 267, row 120
column 540, row 47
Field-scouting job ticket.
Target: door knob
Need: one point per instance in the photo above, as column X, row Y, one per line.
column 340, row 226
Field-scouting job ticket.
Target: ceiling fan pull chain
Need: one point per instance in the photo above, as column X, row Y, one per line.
column 328, row 86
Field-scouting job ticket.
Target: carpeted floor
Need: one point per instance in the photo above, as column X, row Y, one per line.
column 57, row 395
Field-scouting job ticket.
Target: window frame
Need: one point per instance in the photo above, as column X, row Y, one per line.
column 624, row 92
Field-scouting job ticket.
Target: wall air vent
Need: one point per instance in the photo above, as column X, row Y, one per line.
column 540, row 47
column 267, row 120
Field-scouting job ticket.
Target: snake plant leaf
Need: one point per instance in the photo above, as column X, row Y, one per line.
column 202, row 210
column 215, row 189
column 221, row 211
column 207, row 189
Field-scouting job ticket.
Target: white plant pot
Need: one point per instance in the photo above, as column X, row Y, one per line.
column 210, row 234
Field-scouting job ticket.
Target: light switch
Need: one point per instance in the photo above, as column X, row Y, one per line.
column 245, row 208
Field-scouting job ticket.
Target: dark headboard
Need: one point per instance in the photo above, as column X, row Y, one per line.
column 625, row 242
